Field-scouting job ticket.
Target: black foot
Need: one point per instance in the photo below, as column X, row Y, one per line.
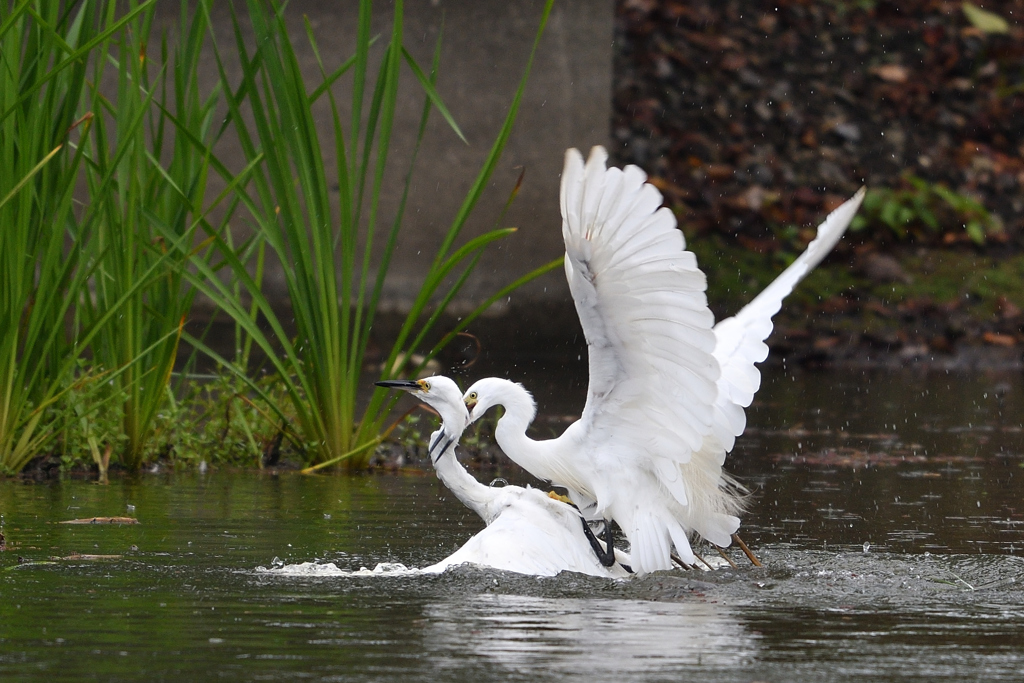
column 606, row 555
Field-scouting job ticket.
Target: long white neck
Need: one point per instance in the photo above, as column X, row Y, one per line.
column 474, row 495
column 510, row 433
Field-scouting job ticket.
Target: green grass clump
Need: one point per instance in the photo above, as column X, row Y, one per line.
column 965, row 277
column 736, row 275
column 924, row 210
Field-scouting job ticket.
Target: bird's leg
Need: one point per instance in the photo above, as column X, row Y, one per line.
column 727, row 558
column 704, row 561
column 606, row 555
column 675, row 558
column 743, row 546
column 609, row 545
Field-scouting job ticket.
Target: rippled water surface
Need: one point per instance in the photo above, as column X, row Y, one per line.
column 887, row 509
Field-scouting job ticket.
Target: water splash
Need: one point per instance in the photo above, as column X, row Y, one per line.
column 329, row 569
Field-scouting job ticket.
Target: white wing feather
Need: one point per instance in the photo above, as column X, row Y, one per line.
column 739, row 340
column 640, row 298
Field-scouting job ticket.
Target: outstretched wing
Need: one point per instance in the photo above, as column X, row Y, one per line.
column 739, row 340
column 640, row 299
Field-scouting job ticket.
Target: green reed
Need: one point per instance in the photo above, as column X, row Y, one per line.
column 333, row 283
column 44, row 269
column 149, row 162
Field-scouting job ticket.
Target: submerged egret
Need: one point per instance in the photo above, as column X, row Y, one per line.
column 527, row 531
column 667, row 388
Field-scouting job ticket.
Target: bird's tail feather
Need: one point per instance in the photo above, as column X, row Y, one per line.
column 652, row 534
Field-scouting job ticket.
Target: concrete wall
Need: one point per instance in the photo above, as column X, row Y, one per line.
column 485, row 48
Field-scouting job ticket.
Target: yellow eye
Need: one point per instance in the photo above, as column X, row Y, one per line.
column 425, row 384
column 472, row 395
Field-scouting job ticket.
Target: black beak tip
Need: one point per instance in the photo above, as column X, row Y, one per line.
column 407, row 384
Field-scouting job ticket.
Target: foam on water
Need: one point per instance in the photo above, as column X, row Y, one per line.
column 329, row 569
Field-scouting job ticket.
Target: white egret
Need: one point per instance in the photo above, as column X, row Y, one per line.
column 527, row 531
column 667, row 386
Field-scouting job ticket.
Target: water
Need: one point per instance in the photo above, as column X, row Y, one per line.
column 891, row 542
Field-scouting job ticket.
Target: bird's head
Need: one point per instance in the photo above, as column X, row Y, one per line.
column 493, row 391
column 444, row 396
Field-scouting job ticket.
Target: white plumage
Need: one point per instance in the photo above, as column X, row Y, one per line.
column 667, row 386
column 527, row 531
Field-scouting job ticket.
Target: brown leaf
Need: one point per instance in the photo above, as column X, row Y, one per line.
column 670, row 189
column 719, row 171
column 767, row 23
column 1007, row 309
column 832, row 202
column 997, row 339
column 806, row 196
column 825, row 343
column 734, row 61
column 892, row 73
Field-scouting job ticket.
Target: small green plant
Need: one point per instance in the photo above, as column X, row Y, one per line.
column 229, row 423
column 924, row 210
column 412, row 433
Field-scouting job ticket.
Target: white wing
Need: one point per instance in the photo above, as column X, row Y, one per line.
column 667, row 390
column 739, row 341
column 640, row 298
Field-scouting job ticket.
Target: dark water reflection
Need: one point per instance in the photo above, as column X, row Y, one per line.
column 924, row 469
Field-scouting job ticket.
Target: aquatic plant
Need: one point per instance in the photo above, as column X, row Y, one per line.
column 44, row 268
column 148, row 161
column 326, row 249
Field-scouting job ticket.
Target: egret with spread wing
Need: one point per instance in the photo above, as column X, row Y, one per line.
column 667, row 388
column 527, row 531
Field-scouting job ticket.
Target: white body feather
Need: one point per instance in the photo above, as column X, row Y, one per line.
column 667, row 386
column 527, row 531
